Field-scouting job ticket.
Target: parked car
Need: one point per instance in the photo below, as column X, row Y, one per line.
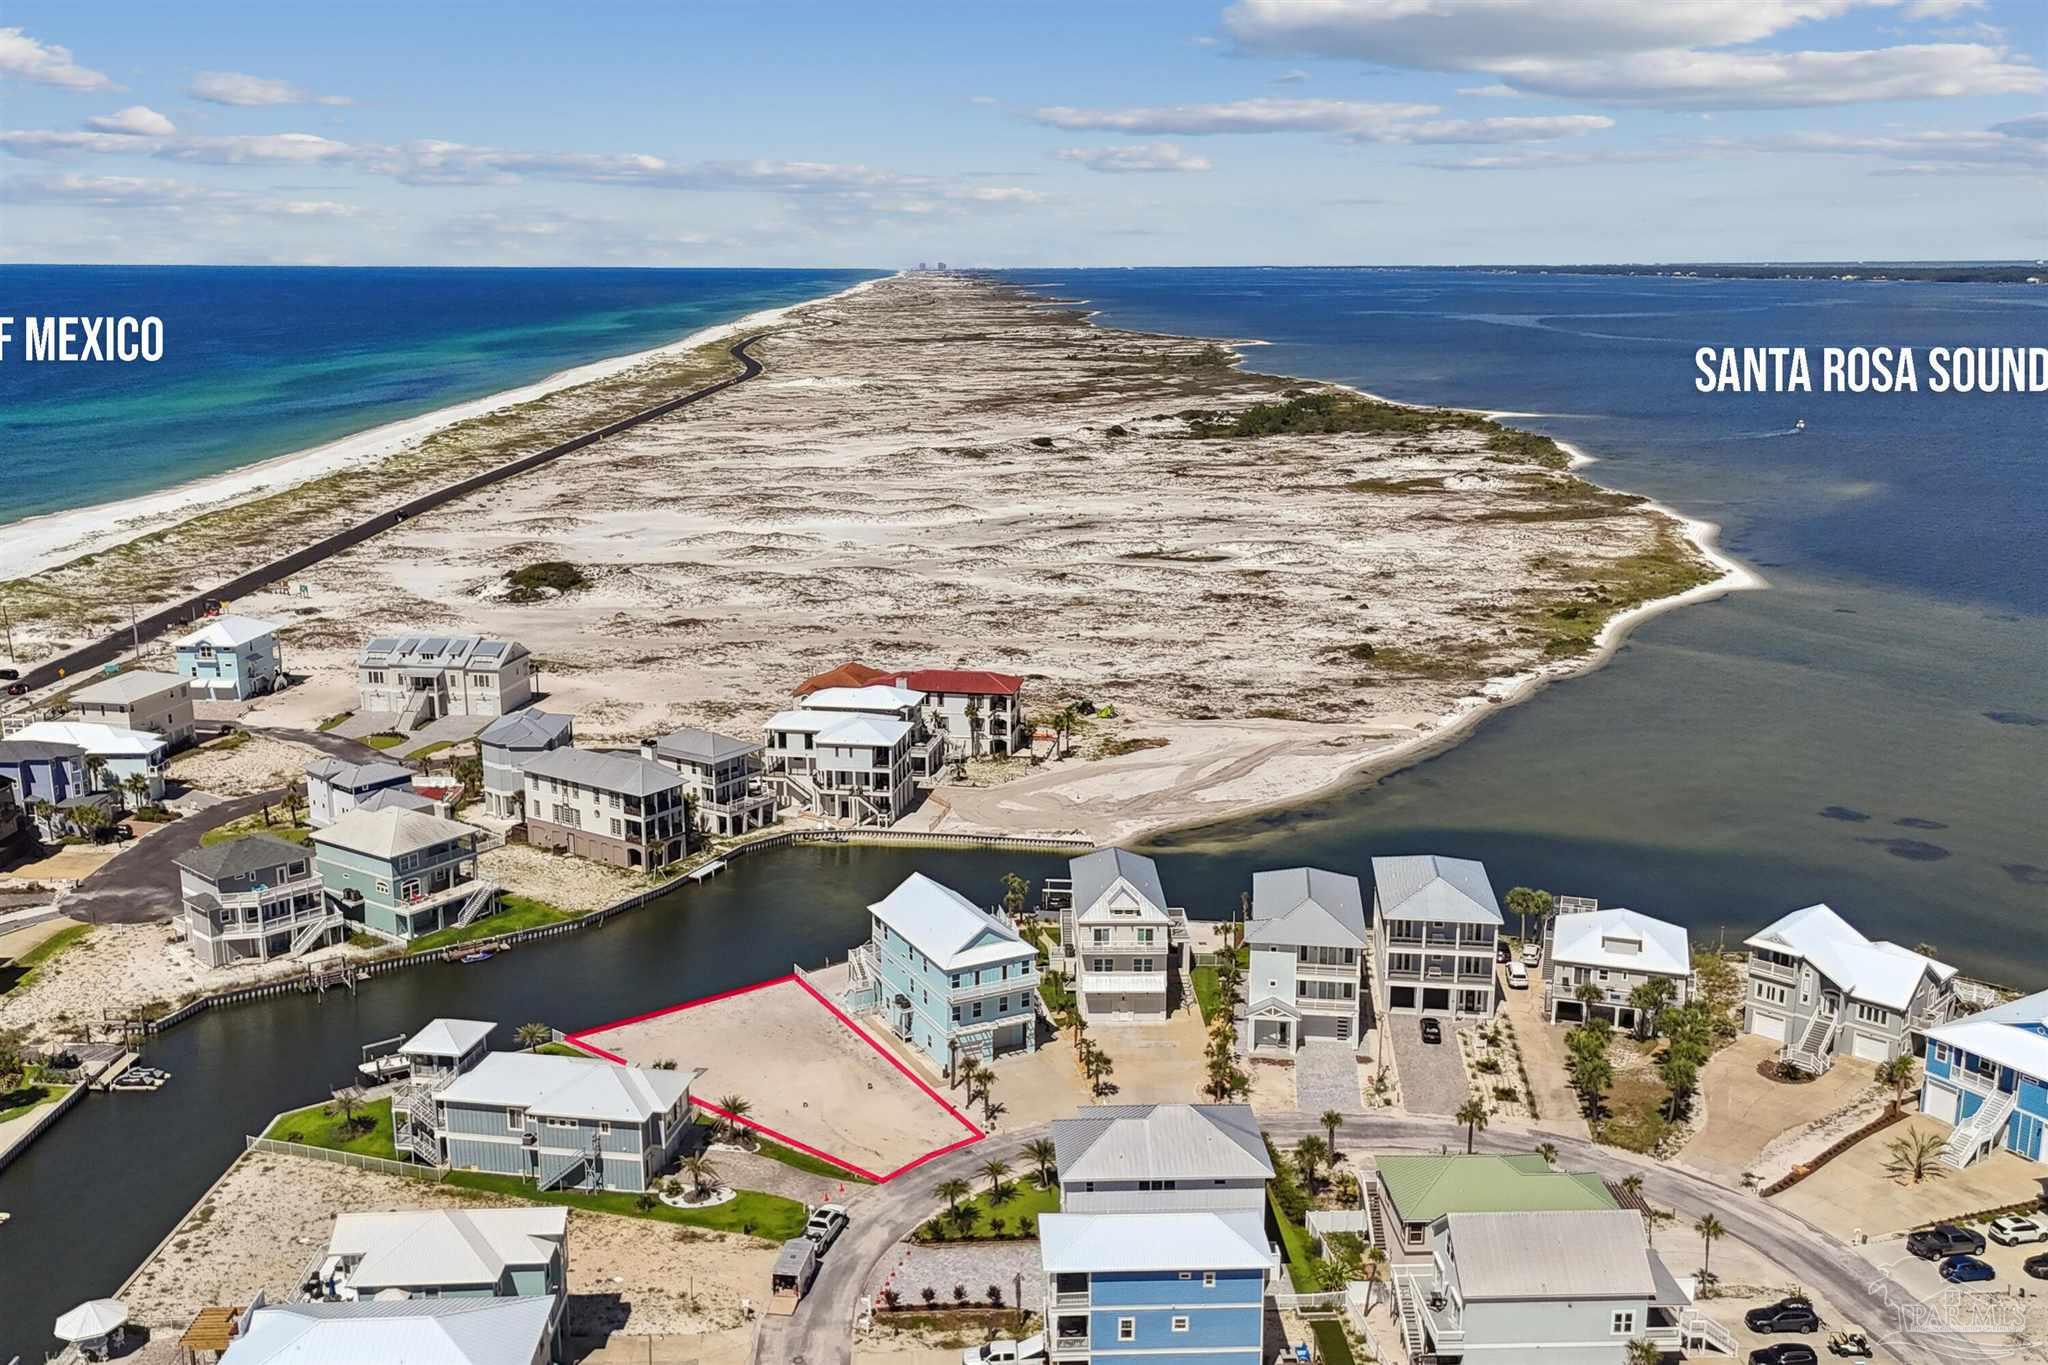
column 1966, row 1270
column 826, row 1222
column 1500, row 950
column 9, row 674
column 1945, row 1239
column 1432, row 1032
column 1532, row 952
column 17, row 689
column 1784, row 1353
column 2015, row 1230
column 1005, row 1352
column 2037, row 1266
column 1793, row 1314
column 1518, row 976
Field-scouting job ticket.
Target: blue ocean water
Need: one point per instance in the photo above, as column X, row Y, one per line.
column 1872, row 731
column 260, row 361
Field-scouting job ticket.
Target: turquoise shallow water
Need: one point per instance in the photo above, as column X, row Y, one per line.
column 261, row 362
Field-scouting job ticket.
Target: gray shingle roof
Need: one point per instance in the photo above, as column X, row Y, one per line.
column 1307, row 906
column 627, row 774
column 357, row 777
column 1095, row 872
column 37, row 751
column 1162, row 1142
column 1429, row 887
column 703, row 746
column 528, row 729
column 240, row 857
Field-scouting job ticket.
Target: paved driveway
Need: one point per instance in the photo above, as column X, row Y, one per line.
column 1542, row 1045
column 1745, row 1111
column 1432, row 1074
column 1326, row 1077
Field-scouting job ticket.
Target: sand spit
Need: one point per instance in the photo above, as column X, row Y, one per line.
column 942, row 471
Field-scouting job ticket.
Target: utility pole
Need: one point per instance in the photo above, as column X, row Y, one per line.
column 134, row 631
column 8, row 623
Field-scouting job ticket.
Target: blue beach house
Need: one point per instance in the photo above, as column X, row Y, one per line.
column 230, row 658
column 951, row 979
column 1175, row 1288
column 1987, row 1075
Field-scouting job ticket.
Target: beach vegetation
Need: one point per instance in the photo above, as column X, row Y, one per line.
column 21, row 971
column 345, row 1123
column 768, row 1216
column 1012, row 1215
column 545, row 579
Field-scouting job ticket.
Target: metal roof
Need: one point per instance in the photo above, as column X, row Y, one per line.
column 124, row 689
column 1623, row 940
column 226, row 632
column 1429, row 887
column 858, row 727
column 1581, row 1254
column 691, row 745
column 1880, row 973
column 569, row 1087
column 1095, row 873
column 1307, row 906
column 1161, row 1142
column 529, row 729
column 115, row 741
column 357, row 777
column 388, row 833
column 437, row 651
column 429, row 1248
column 448, row 1037
column 627, row 774
column 240, row 857
column 444, row 1331
column 946, row 927
column 37, row 751
column 1106, row 1243
column 885, row 698
column 2014, row 1034
column 1425, row 1188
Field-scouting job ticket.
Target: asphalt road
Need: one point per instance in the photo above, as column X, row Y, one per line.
column 821, row 1330
column 111, row 647
column 140, row 884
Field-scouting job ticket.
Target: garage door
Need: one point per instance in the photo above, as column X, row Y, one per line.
column 1871, row 1049
column 1940, row 1103
column 1771, row 1026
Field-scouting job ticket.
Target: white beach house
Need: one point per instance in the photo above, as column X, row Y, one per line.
column 1120, row 939
column 1435, row 922
column 1614, row 952
column 334, row 787
column 410, row 680
column 507, row 745
column 1309, row 942
column 722, row 776
column 139, row 700
column 123, row 755
column 843, row 765
column 1822, row 989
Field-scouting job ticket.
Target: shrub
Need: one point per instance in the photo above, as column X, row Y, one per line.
column 997, row 1224
column 1506, row 1094
column 995, row 1296
column 645, row 1200
column 930, row 1295
column 550, row 576
column 1042, row 442
column 891, row 1299
column 960, row 1293
column 1489, row 1066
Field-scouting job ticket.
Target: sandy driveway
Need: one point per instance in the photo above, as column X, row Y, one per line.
column 1746, row 1113
column 1542, row 1045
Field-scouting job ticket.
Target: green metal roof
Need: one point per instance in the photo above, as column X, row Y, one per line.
column 1424, row 1188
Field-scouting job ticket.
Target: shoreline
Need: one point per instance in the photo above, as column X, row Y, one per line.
column 48, row 539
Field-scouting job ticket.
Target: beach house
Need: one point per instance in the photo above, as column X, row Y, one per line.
column 1435, row 921
column 949, row 978
column 562, row 1122
column 253, row 899
column 1309, row 943
column 843, row 765
column 1409, row 1196
column 620, row 809
column 409, row 680
column 400, row 874
column 507, row 745
column 448, row 1254
column 436, row 1331
column 722, row 776
column 1613, row 952
column 446, row 1048
column 1119, row 938
column 127, row 762
column 40, row 772
column 1987, row 1075
column 334, row 787
column 1823, row 990
column 1157, row 1158
column 1561, row 1285
column 230, row 658
column 887, row 701
column 10, row 812
column 1163, row 1286
column 975, row 711
column 139, row 700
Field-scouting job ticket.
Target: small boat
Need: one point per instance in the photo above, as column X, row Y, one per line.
column 480, row 955
column 1799, row 425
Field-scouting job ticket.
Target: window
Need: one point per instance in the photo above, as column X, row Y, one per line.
column 1101, row 936
column 1180, row 1324
column 1941, row 1052
column 1126, row 1329
column 1187, row 1274
column 1208, row 1279
column 977, row 1009
column 1873, row 1014
column 515, row 1119
column 1625, row 1323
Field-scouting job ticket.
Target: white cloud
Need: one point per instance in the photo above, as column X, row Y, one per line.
column 23, row 58
column 1355, row 120
column 2029, row 125
column 998, row 194
column 125, row 191
column 1697, row 55
column 981, row 99
column 1138, row 158
column 1496, row 91
column 1295, row 77
column 136, row 121
column 251, row 92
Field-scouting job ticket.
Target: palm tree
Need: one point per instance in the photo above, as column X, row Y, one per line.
column 995, row 1169
column 95, row 772
column 973, row 727
column 137, row 787
column 530, row 1036
column 703, row 1176
column 1915, row 1157
column 1375, row 1267
column 1311, row 1153
column 1643, row 1351
column 1548, row 1151
column 1588, row 996
column 46, row 814
column 1709, row 1228
column 952, row 1191
column 736, row 1107
column 1632, row 1185
column 1472, row 1113
column 1898, row 1074
column 1331, row 1121
column 1044, row 1154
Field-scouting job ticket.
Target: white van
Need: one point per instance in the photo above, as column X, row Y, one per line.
column 1026, row 1352
column 1518, row 976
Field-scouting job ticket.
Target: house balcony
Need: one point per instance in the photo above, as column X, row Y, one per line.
column 1026, row 984
column 1130, row 983
column 1771, row 971
column 1420, row 1299
column 1328, row 971
column 239, row 902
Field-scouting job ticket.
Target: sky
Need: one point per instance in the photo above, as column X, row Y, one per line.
column 1130, row 133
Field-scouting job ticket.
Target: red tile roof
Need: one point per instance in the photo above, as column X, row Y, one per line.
column 978, row 680
column 851, row 674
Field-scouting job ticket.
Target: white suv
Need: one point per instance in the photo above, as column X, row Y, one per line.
column 2014, row 1231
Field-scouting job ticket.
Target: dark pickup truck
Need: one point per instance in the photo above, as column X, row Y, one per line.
column 1945, row 1239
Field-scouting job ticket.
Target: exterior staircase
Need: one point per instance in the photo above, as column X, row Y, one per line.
column 312, row 933
column 1410, row 1314
column 1694, row 1328
column 593, row 1159
column 485, row 897
column 1814, row 1052
column 1981, row 1127
column 1379, row 1223
column 418, row 708
column 416, row 1106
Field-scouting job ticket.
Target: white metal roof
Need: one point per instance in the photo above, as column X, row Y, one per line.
column 1578, row 1254
column 108, row 741
column 1307, row 906
column 569, row 1087
column 126, row 688
column 428, row 1248
column 448, row 1037
column 226, row 632
column 1621, row 939
column 1101, row 1243
column 447, row 1331
column 388, row 833
column 1877, row 972
column 857, row 727
column 2014, row 1034
column 885, row 698
column 946, row 927
column 1096, row 875
column 1430, row 887
column 1161, row 1142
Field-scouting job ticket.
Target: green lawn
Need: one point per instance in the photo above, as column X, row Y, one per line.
column 1023, row 1201
column 436, row 747
column 514, row 913
column 22, row 970
column 1294, row 1241
column 790, row 1156
column 316, row 1126
column 1208, row 991
column 560, row 1050
column 384, row 741
column 333, row 721
column 1331, row 1343
column 29, row 1098
column 761, row 1215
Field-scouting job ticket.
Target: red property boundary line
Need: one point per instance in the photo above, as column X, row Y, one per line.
column 577, row 1040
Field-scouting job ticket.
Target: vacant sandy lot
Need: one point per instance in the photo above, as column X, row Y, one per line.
column 1747, row 1114
column 806, row 1075
column 1855, row 1194
column 271, row 1216
column 242, row 766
